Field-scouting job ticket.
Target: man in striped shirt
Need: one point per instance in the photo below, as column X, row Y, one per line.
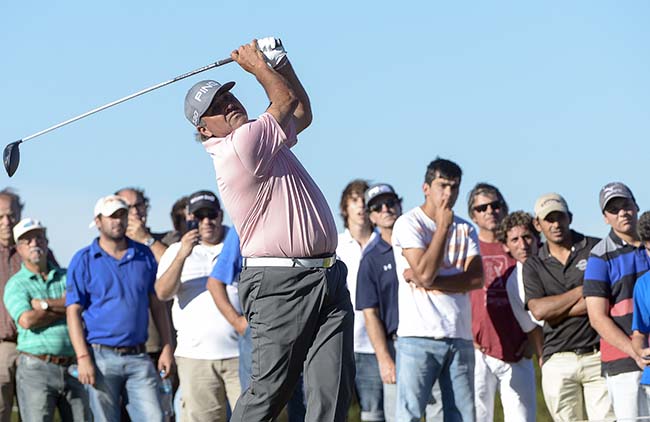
column 614, row 265
column 35, row 299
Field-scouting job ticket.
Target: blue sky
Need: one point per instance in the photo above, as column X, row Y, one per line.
column 530, row 96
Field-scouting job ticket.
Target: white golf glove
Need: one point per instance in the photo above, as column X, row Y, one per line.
column 273, row 51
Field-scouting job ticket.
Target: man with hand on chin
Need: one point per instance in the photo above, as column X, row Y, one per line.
column 112, row 283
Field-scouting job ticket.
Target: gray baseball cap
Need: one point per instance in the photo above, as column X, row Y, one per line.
column 614, row 190
column 199, row 97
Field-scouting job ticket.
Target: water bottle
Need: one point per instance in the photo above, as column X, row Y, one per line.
column 166, row 396
column 73, row 371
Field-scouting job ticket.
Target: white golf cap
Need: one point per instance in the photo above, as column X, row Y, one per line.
column 26, row 225
column 107, row 206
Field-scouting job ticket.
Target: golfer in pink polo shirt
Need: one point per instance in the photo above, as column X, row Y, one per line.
column 292, row 288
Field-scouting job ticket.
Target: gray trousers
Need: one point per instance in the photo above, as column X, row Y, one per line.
column 301, row 319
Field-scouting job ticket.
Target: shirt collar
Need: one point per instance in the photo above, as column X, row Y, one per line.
column 579, row 241
column 96, row 251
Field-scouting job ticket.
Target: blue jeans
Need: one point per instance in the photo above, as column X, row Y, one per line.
column 131, row 377
column 369, row 387
column 295, row 406
column 422, row 361
column 43, row 387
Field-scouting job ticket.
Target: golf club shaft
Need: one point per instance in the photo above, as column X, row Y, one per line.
column 128, row 97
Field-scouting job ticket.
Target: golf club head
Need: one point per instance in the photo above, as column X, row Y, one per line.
column 12, row 157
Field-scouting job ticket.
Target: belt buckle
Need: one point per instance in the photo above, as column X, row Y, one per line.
column 329, row 261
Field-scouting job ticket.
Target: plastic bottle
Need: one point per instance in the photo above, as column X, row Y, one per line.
column 166, row 395
column 73, row 371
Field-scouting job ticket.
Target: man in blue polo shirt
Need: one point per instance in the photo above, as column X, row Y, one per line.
column 112, row 283
column 376, row 295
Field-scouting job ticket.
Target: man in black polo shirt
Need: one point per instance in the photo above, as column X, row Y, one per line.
column 553, row 283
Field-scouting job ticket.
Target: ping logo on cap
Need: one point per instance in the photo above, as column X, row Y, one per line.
column 204, row 89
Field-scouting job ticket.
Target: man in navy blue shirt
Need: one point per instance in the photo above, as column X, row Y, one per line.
column 112, row 283
column 376, row 296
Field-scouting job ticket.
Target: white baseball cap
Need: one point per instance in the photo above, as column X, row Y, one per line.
column 26, row 225
column 107, row 206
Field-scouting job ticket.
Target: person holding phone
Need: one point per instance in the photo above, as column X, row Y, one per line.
column 207, row 354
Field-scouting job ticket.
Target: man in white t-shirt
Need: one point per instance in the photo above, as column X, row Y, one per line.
column 438, row 263
column 207, row 353
column 352, row 244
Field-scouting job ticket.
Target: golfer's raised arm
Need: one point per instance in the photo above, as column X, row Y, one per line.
column 283, row 99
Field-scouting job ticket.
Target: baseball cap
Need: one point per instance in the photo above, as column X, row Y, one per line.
column 199, row 97
column 376, row 190
column 202, row 199
column 107, row 206
column 549, row 203
column 614, row 190
column 26, row 225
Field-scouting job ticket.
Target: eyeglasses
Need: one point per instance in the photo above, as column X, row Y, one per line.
column 379, row 205
column 28, row 240
column 495, row 205
column 210, row 214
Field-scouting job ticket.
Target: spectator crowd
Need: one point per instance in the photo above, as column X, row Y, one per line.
column 448, row 312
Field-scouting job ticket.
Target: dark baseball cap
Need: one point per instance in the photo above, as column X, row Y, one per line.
column 199, row 97
column 202, row 199
column 377, row 190
column 614, row 190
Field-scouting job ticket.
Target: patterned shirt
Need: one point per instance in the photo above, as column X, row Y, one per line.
column 20, row 290
column 612, row 271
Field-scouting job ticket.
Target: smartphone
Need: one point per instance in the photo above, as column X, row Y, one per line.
column 192, row 224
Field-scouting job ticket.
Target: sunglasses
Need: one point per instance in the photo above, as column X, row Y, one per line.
column 616, row 208
column 379, row 205
column 495, row 205
column 210, row 214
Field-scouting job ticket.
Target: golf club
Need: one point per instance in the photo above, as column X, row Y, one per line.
column 12, row 152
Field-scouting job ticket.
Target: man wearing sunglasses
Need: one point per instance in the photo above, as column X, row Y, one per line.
column 499, row 341
column 613, row 268
column 292, row 288
column 553, row 282
column 207, row 351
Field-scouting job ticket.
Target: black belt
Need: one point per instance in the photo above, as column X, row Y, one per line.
column 57, row 360
column 585, row 350
column 129, row 350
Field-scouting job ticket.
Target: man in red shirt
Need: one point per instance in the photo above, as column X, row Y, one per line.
column 499, row 341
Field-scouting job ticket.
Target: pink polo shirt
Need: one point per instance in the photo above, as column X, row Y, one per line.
column 276, row 207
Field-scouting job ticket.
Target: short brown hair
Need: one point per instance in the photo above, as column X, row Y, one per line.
column 515, row 219
column 357, row 187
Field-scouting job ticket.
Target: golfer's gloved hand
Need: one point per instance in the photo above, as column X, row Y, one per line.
column 273, row 51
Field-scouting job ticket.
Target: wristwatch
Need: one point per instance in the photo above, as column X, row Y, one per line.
column 149, row 241
column 44, row 305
